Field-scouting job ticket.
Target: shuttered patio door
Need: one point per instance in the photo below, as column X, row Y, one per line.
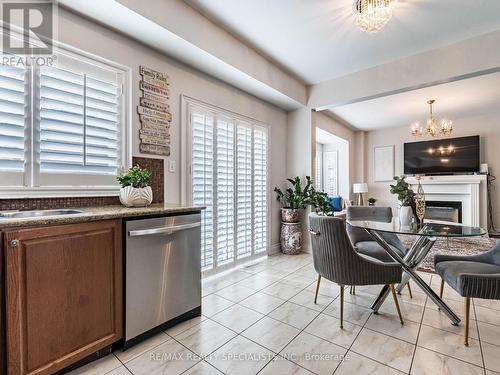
column 229, row 177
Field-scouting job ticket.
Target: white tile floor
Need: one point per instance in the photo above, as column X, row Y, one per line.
column 261, row 319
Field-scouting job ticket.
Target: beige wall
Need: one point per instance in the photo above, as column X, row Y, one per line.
column 333, row 126
column 486, row 125
column 91, row 37
column 177, row 16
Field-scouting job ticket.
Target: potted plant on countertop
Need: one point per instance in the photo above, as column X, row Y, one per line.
column 406, row 198
column 371, row 201
column 135, row 191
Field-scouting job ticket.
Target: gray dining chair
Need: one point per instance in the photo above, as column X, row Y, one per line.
column 336, row 260
column 365, row 244
column 474, row 276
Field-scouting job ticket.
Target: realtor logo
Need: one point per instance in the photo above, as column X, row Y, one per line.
column 29, row 27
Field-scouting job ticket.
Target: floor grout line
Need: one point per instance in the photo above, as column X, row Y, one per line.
column 362, row 355
column 419, row 329
column 301, row 271
column 479, row 338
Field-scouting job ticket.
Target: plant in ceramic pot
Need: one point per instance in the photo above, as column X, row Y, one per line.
column 294, row 198
column 371, row 201
column 406, row 198
column 135, row 191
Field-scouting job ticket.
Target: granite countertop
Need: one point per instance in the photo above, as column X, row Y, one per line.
column 98, row 213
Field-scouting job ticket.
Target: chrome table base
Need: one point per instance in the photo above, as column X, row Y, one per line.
column 409, row 263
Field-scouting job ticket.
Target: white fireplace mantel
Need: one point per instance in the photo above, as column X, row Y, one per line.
column 470, row 190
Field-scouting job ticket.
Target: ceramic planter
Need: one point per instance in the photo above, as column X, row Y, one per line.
column 291, row 238
column 289, row 215
column 136, row 197
column 405, row 215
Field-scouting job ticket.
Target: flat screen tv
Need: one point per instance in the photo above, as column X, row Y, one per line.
column 443, row 156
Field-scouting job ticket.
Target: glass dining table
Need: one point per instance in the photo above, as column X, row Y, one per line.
column 425, row 237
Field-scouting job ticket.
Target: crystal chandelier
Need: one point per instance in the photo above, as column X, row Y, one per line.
column 432, row 128
column 372, row 15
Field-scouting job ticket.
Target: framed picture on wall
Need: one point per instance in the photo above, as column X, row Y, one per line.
column 383, row 161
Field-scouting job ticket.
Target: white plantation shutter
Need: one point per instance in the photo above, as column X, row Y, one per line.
column 260, row 189
column 202, row 170
column 62, row 126
column 244, row 190
column 229, row 177
column 318, row 164
column 79, row 119
column 225, row 191
column 102, row 119
column 330, row 172
column 13, row 115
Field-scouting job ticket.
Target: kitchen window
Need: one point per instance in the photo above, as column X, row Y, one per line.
column 228, row 172
column 62, row 128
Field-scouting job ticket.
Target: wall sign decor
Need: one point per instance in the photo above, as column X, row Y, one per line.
column 383, row 163
column 154, row 112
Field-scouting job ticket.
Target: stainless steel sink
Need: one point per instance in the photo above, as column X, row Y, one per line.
column 40, row 213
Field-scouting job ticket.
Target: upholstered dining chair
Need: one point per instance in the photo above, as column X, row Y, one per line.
column 364, row 243
column 475, row 276
column 336, row 260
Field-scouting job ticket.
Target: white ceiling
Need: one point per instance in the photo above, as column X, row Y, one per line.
column 324, row 137
column 453, row 101
column 318, row 39
column 119, row 17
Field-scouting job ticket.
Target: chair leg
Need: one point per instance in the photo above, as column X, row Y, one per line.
column 396, row 302
column 467, row 318
column 341, row 307
column 409, row 289
column 354, row 290
column 317, row 289
column 441, row 290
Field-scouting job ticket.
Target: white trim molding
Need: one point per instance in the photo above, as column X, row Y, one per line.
column 470, row 190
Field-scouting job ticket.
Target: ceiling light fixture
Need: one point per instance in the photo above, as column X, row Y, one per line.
column 372, row 15
column 432, row 128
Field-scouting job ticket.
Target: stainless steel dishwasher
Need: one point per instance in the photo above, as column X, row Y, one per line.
column 162, row 274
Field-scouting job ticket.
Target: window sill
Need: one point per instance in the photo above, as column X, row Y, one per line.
column 58, row 192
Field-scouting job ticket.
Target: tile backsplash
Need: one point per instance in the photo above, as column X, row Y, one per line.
column 53, row 203
column 156, row 166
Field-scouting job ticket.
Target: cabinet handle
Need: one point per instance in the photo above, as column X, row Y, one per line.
column 14, row 243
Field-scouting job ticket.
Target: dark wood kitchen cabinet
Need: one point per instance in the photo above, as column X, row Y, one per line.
column 63, row 294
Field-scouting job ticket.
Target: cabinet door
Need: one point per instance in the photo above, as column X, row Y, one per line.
column 64, row 294
column 3, row 350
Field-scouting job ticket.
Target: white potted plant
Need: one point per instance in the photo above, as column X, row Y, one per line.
column 135, row 191
column 406, row 198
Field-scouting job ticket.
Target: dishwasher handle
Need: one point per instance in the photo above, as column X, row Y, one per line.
column 163, row 230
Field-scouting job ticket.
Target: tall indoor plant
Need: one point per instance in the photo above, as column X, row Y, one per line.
column 293, row 200
column 135, row 191
column 406, row 198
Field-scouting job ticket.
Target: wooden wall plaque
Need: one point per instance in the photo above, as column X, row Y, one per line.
column 154, row 112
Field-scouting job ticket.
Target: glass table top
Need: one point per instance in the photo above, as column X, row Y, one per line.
column 430, row 228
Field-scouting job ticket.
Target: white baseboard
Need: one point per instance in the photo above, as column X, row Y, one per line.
column 274, row 249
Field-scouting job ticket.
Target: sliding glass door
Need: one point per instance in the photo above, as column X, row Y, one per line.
column 229, row 177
